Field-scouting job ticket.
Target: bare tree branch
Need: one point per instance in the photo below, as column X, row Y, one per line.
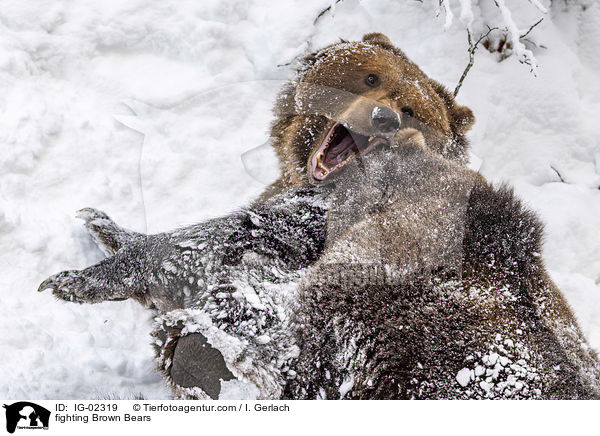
column 531, row 28
column 472, row 49
column 324, row 11
column 559, row 176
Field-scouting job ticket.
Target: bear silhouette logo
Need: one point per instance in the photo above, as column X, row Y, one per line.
column 26, row 415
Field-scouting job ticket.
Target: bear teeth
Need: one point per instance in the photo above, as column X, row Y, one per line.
column 320, row 164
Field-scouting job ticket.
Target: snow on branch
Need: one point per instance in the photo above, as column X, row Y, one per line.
column 449, row 14
column 509, row 39
column 523, row 54
column 538, row 5
column 466, row 13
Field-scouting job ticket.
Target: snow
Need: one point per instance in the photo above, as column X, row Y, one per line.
column 505, row 371
column 518, row 47
column 144, row 110
column 449, row 14
column 235, row 389
column 346, row 386
column 464, row 377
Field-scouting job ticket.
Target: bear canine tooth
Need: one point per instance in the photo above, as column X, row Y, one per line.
column 320, row 164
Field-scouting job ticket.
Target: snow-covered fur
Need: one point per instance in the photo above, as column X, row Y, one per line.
column 437, row 291
column 227, row 279
column 428, row 284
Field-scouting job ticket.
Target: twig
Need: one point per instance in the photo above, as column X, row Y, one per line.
column 472, row 49
column 531, row 28
column 524, row 55
column 324, row 11
column 558, row 174
column 448, row 11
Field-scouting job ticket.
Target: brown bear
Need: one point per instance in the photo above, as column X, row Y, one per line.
column 234, row 322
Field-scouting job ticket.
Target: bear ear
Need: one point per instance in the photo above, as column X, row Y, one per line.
column 461, row 117
column 384, row 42
column 377, row 38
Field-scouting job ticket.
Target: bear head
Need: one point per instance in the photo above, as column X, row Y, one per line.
column 351, row 96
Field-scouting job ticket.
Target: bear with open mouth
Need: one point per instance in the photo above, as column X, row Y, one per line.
column 349, row 96
column 377, row 266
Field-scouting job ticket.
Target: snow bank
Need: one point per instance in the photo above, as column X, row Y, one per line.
column 144, row 109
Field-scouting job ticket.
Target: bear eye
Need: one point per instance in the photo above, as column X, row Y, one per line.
column 408, row 111
column 372, row 80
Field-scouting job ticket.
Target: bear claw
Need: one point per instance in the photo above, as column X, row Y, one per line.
column 89, row 214
column 64, row 286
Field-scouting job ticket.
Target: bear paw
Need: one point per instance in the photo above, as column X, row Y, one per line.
column 71, row 286
column 89, row 214
column 109, row 237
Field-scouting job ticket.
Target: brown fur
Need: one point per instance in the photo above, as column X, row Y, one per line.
column 430, row 272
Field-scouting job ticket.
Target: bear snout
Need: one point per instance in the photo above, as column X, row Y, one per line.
column 385, row 120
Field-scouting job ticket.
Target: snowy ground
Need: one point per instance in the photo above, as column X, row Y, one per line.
column 144, row 109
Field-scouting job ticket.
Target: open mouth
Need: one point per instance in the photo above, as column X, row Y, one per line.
column 340, row 147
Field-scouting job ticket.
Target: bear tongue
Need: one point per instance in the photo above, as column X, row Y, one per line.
column 337, row 153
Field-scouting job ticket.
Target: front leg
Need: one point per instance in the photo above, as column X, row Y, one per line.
column 175, row 269
column 116, row 278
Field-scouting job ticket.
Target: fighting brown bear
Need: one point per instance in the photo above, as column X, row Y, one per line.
column 237, row 323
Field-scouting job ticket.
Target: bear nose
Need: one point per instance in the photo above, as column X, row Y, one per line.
column 385, row 120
